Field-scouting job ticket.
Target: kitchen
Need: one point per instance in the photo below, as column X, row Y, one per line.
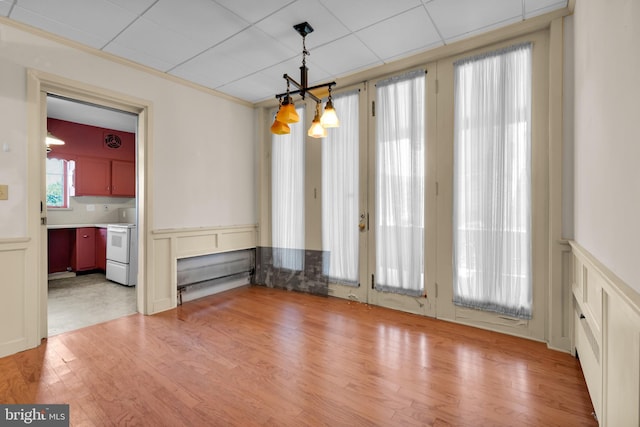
column 91, row 214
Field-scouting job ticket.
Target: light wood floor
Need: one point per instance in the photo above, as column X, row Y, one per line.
column 259, row 356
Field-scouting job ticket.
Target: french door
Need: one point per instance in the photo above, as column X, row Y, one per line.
column 396, row 196
column 405, row 213
column 401, row 193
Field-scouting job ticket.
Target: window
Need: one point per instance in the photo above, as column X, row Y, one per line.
column 287, row 171
column 400, row 184
column 340, row 193
column 492, row 182
column 59, row 182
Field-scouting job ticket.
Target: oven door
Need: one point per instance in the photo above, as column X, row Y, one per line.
column 118, row 243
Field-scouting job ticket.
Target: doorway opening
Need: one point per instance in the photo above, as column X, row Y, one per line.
column 91, row 184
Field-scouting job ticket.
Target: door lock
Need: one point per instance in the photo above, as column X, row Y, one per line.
column 363, row 223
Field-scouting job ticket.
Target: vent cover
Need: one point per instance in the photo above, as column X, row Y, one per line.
column 111, row 140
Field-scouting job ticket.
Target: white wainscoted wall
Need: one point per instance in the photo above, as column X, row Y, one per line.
column 607, row 339
column 169, row 245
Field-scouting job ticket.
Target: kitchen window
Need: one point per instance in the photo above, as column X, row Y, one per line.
column 59, row 182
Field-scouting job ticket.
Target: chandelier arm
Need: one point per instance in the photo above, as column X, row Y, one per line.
column 304, row 90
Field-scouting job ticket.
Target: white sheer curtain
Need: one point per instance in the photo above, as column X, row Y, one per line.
column 492, row 182
column 340, row 193
column 287, row 196
column 400, row 180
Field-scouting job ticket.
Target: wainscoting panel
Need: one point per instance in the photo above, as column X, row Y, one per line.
column 607, row 339
column 13, row 309
column 173, row 244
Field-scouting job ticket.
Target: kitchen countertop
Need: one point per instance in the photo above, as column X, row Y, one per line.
column 59, row 226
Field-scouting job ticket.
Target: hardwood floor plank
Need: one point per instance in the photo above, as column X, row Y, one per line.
column 260, row 356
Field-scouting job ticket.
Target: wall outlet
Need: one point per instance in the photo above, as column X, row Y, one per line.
column 106, row 208
column 4, row 192
column 91, row 208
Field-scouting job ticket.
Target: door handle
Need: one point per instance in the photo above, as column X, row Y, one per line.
column 363, row 223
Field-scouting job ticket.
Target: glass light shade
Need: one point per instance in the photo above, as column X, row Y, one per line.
column 287, row 113
column 329, row 118
column 279, row 128
column 52, row 140
column 316, row 130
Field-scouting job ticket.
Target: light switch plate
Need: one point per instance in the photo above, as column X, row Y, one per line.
column 4, row 192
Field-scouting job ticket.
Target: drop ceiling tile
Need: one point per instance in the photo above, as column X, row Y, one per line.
column 351, row 12
column 90, row 23
column 203, row 22
column 456, row 19
column 280, row 25
column 212, row 69
column 539, row 7
column 255, row 49
column 153, row 45
column 134, row 6
column 345, row 56
column 253, row 11
column 401, row 35
column 245, row 53
column 259, row 87
column 5, row 7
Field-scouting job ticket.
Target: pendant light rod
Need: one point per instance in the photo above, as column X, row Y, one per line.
column 303, row 29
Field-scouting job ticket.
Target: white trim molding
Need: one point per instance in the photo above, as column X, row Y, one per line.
column 169, row 245
column 607, row 339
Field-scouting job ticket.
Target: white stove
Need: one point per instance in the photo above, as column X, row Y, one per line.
column 122, row 254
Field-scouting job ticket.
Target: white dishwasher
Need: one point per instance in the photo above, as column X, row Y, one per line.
column 122, row 254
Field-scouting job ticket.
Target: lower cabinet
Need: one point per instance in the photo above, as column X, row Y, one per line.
column 77, row 249
column 59, row 249
column 84, row 250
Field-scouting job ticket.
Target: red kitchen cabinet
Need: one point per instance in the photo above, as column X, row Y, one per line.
column 101, row 248
column 59, row 249
column 93, row 176
column 84, row 250
column 123, row 178
column 105, row 177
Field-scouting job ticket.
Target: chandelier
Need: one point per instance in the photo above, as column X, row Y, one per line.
column 287, row 111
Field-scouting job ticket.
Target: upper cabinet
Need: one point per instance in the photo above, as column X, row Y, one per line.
column 105, row 158
column 104, row 177
column 123, row 178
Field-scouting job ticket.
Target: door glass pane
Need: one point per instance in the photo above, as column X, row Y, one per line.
column 400, row 179
column 492, row 182
column 340, row 193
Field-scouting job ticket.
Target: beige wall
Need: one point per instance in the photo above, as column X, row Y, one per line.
column 202, row 149
column 607, row 136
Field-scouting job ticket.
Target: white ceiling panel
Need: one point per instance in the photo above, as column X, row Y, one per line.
column 280, row 25
column 257, row 87
column 89, row 114
column 390, row 39
column 5, row 7
column 91, row 23
column 344, row 56
column 254, row 11
column 152, row 44
column 456, row 19
column 196, row 22
column 350, row 12
column 135, row 6
column 538, row 7
column 243, row 47
column 211, row 69
column 255, row 49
